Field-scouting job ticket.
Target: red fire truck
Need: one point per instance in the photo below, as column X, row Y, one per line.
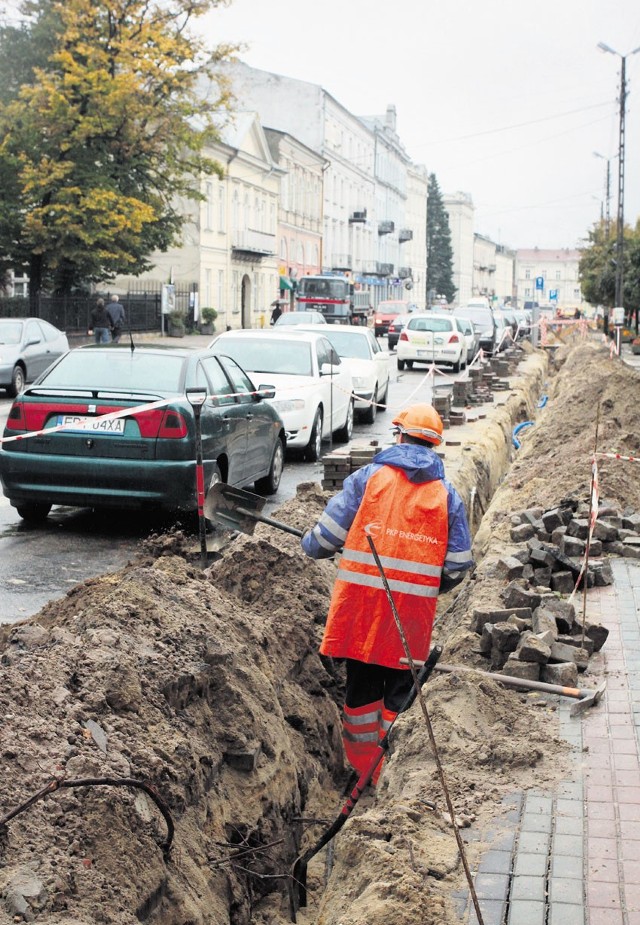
column 335, row 297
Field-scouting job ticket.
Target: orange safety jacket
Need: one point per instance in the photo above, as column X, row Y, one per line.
column 408, row 522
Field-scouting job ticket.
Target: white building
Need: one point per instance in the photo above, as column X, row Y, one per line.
column 493, row 269
column 460, row 209
column 549, row 277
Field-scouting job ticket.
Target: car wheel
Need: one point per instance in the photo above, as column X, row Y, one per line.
column 313, row 451
column 400, row 364
column 269, row 484
column 17, row 381
column 344, row 434
column 456, row 366
column 382, row 404
column 34, row 513
column 370, row 414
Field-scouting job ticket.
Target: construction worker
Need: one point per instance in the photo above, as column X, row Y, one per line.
column 419, row 527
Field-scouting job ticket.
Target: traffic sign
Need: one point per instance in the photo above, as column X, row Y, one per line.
column 539, row 282
column 553, row 295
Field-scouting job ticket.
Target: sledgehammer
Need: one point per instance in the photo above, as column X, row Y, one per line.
column 585, row 698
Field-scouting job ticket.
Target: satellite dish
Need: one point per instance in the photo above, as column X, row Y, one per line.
column 408, row 284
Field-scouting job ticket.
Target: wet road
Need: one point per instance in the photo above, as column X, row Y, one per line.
column 42, row 562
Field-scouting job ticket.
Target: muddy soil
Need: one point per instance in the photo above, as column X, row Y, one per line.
column 208, row 687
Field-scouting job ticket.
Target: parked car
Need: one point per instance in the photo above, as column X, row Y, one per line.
column 287, row 318
column 144, row 460
column 27, row 347
column 502, row 332
column 389, row 309
column 395, row 327
column 369, row 366
column 471, row 337
column 483, row 321
column 432, row 337
column 312, row 384
column 524, row 322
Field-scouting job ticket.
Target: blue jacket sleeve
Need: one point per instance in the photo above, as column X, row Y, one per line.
column 329, row 534
column 458, row 558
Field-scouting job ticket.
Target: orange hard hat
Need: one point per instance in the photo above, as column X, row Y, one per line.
column 420, row 421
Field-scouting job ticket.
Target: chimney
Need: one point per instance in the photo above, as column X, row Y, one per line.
column 391, row 117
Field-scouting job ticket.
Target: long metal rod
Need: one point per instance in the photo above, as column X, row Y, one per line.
column 427, row 719
column 590, row 531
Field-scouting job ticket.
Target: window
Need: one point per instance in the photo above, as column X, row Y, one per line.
column 33, row 334
column 221, row 207
column 558, row 274
column 527, row 274
column 208, row 219
column 221, row 387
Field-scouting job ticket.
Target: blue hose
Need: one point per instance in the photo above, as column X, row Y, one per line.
column 516, row 431
column 543, row 401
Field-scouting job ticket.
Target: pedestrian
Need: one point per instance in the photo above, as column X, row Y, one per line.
column 275, row 314
column 419, row 526
column 100, row 323
column 116, row 317
column 577, row 314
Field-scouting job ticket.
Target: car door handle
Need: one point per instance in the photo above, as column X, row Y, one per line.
column 249, row 415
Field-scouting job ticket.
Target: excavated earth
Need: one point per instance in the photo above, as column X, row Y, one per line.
column 207, row 686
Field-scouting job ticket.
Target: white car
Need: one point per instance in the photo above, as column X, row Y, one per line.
column 313, row 385
column 369, row 366
column 432, row 337
column 471, row 337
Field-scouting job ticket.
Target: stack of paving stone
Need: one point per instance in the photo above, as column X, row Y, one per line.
column 342, row 462
column 442, row 403
column 535, row 633
column 462, row 391
column 481, row 390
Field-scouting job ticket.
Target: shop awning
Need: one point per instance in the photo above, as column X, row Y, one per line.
column 286, row 283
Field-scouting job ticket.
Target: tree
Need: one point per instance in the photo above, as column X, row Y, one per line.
column 102, row 134
column 439, row 251
column 598, row 268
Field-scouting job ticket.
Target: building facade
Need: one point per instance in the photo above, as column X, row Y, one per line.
column 460, row 209
column 549, row 277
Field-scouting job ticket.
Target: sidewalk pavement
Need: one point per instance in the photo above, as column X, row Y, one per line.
column 572, row 856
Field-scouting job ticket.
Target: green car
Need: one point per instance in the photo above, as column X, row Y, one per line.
column 73, row 445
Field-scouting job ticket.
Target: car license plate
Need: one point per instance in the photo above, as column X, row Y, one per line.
column 94, row 425
column 424, row 353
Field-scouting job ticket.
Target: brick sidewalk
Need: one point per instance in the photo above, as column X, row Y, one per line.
column 572, row 857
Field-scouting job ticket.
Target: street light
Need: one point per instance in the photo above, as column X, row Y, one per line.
column 197, row 398
column 607, row 200
column 620, row 221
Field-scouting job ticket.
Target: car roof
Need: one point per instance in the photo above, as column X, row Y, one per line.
column 322, row 328
column 447, row 315
column 294, row 334
column 177, row 350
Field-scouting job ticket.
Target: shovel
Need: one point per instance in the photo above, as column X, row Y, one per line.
column 237, row 509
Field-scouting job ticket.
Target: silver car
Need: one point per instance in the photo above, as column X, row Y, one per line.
column 28, row 346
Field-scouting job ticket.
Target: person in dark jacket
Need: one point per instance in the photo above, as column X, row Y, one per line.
column 100, row 323
column 419, row 526
column 116, row 317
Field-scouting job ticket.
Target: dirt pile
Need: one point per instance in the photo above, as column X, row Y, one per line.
column 209, row 687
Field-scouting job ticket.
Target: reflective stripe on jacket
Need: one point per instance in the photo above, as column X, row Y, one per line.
column 409, row 526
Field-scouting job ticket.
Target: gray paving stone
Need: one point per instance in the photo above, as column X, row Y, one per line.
column 566, row 891
column 495, row 862
column 505, row 841
column 570, row 790
column 536, row 822
column 535, row 803
column 492, row 886
column 532, row 865
column 533, row 843
column 566, row 914
column 492, row 912
column 526, row 912
column 528, row 888
column 568, row 845
column 571, row 808
column 567, row 825
column 567, row 868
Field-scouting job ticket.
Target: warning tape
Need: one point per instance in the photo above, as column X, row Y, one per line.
column 620, row 456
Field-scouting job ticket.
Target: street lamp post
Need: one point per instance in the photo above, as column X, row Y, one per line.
column 607, row 214
column 619, row 295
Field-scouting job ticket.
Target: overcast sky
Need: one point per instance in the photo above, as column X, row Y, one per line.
column 506, row 101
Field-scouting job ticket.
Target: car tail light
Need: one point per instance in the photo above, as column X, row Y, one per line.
column 16, row 419
column 454, row 339
column 404, row 336
column 173, row 425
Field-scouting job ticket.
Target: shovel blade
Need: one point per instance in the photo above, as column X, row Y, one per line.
column 222, row 503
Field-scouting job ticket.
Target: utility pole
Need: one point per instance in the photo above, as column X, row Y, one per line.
column 619, row 289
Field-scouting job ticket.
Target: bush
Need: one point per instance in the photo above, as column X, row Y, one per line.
column 208, row 315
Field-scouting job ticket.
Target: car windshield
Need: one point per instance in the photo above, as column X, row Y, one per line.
column 119, row 370
column 268, row 354
column 388, row 308
column 324, row 288
column 10, row 332
column 348, row 344
column 479, row 315
column 300, row 318
column 434, row 324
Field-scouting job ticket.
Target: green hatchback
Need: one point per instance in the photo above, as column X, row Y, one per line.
column 111, row 426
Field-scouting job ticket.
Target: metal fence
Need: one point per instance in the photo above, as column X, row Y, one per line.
column 72, row 314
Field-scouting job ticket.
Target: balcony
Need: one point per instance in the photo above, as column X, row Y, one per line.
column 404, row 272
column 405, row 234
column 341, row 262
column 252, row 243
column 358, row 217
column 386, row 227
column 384, row 269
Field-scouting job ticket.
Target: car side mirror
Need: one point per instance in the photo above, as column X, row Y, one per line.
column 328, row 369
column 32, row 343
column 265, row 391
